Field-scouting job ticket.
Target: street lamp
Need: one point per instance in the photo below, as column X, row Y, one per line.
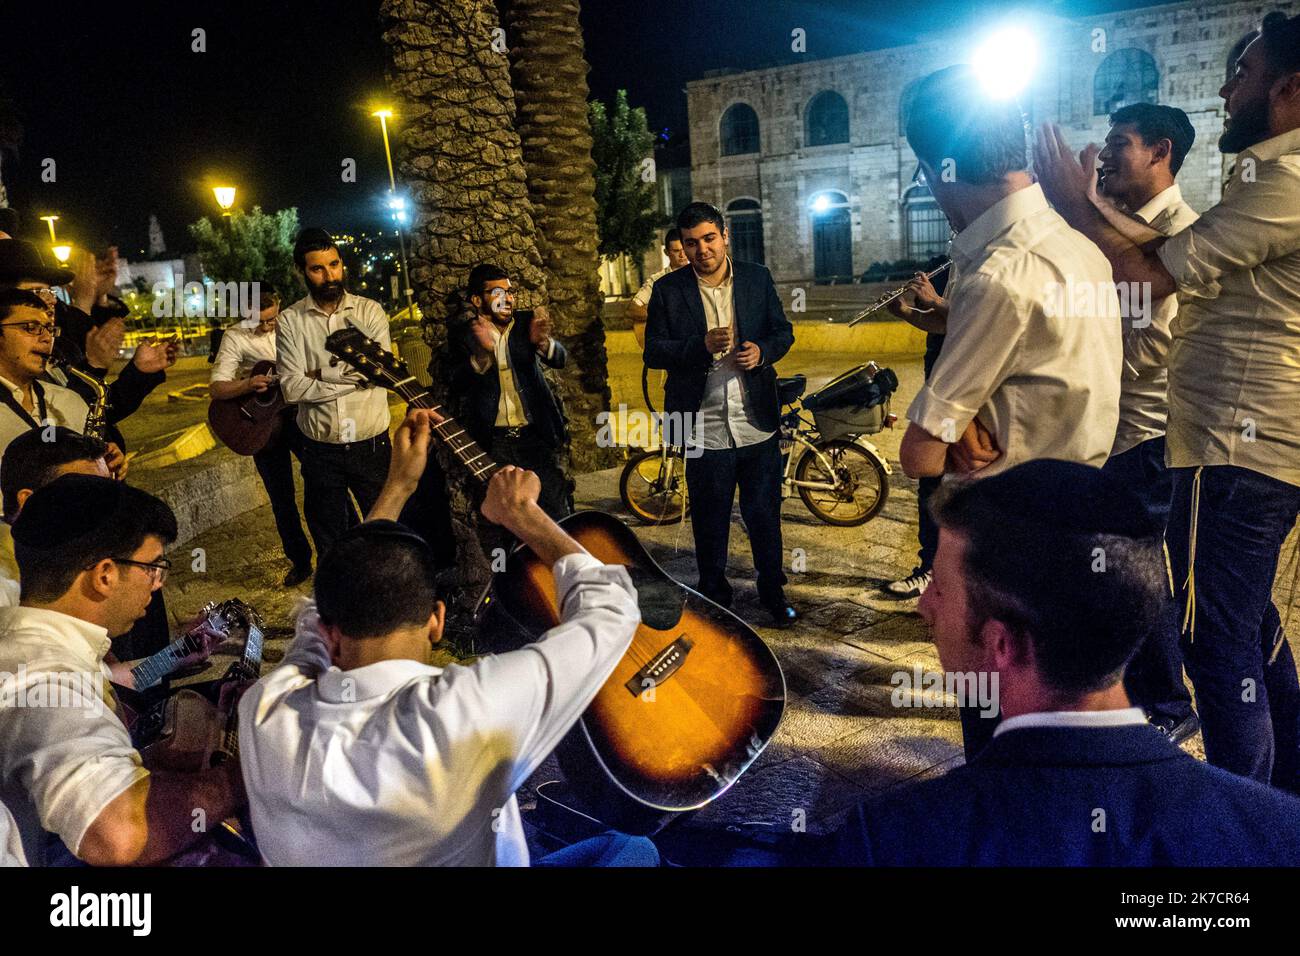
column 398, row 207
column 50, row 220
column 62, row 253
column 225, row 198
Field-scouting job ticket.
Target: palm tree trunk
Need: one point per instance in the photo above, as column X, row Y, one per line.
column 460, row 158
column 550, row 70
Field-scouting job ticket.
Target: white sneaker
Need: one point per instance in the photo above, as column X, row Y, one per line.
column 911, row 586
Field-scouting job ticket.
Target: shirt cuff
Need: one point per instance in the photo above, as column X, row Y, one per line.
column 574, row 569
column 939, row 417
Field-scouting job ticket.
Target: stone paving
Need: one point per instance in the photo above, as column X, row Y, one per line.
column 842, row 739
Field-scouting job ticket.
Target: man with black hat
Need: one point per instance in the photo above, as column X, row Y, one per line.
column 90, row 555
column 1046, row 580
column 88, row 342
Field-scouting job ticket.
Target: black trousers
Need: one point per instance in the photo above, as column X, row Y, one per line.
column 523, row 448
column 334, row 474
column 274, row 464
column 711, row 482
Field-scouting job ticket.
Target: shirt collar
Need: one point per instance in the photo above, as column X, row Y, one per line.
column 726, row 277
column 1160, row 202
column 17, row 392
column 346, row 304
column 68, row 632
column 972, row 241
column 373, row 680
column 1122, row 717
column 1275, row 147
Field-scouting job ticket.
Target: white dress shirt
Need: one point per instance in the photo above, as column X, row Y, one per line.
column 11, row 844
column 60, row 766
column 403, row 764
column 1122, row 717
column 9, row 589
column 1043, row 380
column 240, row 350
column 1234, row 366
column 63, row 406
column 332, row 409
column 642, row 297
column 1144, row 388
column 724, row 419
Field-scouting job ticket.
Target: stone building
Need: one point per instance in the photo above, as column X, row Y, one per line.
column 810, row 164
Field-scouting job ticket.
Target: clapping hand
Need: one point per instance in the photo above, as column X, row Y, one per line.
column 1068, row 181
column 154, row 356
column 540, row 331
column 104, row 342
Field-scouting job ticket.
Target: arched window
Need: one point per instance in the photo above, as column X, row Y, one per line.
column 832, row 236
column 1126, row 76
column 739, row 130
column 827, row 120
column 745, row 227
column 925, row 228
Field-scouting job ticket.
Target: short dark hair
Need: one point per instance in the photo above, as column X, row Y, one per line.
column 75, row 522
column 481, row 275
column 672, row 235
column 33, row 459
column 1280, row 36
column 952, row 119
column 1035, row 535
column 313, row 239
column 267, row 296
column 1154, row 123
column 11, row 299
column 698, row 213
column 377, row 578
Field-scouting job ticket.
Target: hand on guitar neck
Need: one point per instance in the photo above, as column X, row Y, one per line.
column 511, row 499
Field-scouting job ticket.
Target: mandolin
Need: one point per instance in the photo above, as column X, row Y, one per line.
column 697, row 696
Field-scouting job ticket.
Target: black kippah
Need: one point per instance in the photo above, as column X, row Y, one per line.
column 68, row 508
column 1068, row 498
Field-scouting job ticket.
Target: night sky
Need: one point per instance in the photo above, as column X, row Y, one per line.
column 137, row 123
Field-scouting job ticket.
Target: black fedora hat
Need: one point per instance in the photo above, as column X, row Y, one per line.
column 20, row 259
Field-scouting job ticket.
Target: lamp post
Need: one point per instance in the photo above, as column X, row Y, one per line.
column 49, row 221
column 225, row 199
column 398, row 208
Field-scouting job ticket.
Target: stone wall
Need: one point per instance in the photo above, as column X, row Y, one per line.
column 1189, row 41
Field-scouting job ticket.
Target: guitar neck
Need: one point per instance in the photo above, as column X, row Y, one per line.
column 449, row 431
column 153, row 669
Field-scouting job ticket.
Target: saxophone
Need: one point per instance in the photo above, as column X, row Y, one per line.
column 96, row 421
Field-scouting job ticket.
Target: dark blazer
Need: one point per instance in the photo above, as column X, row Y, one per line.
column 1034, row 797
column 477, row 395
column 674, row 338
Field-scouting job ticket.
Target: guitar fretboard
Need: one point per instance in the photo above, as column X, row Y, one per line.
column 449, row 431
column 153, row 669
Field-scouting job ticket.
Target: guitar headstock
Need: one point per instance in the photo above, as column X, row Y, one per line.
column 366, row 356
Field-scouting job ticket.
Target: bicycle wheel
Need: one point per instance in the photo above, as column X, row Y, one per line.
column 861, row 485
column 653, row 487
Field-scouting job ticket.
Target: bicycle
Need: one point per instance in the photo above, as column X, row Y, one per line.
column 842, row 479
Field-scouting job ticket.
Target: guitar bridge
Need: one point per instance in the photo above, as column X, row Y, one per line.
column 661, row 667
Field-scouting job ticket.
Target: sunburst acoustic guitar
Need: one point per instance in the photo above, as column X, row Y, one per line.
column 698, row 694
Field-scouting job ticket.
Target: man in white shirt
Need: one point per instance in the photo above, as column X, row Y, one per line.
column 27, row 333
column 344, row 423
column 639, row 310
column 1234, row 385
column 1144, row 150
column 241, row 349
column 1028, row 369
column 357, row 752
column 1073, row 775
column 90, row 554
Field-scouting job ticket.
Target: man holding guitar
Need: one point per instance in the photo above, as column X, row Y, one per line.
column 90, row 554
column 358, row 752
column 244, row 351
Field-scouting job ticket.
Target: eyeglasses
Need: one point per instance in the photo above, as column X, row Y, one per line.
column 156, row 569
column 34, row 329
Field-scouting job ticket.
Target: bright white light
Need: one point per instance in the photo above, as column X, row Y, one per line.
column 397, row 202
column 821, row 203
column 1006, row 61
